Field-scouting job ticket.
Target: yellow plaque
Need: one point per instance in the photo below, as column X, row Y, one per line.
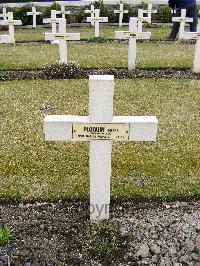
column 129, row 35
column 63, row 37
column 117, row 132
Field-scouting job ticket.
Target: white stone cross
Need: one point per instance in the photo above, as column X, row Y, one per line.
column 142, row 19
column 91, row 11
column 100, row 128
column 132, row 35
column 149, row 11
column 97, row 19
column 63, row 12
column 10, row 22
column 34, row 14
column 121, row 13
column 182, row 19
column 62, row 37
column 4, row 14
column 53, row 20
column 195, row 36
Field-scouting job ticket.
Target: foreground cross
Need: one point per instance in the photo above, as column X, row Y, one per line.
column 10, row 22
column 100, row 128
column 34, row 14
column 62, row 37
column 121, row 13
column 182, row 19
column 91, row 11
column 132, row 35
column 97, row 19
column 195, row 36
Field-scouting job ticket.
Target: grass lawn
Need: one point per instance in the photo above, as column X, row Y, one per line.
column 22, row 35
column 31, row 168
column 88, row 55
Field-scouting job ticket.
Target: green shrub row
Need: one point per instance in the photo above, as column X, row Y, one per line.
column 78, row 15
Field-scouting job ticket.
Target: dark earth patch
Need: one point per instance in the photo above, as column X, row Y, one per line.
column 71, row 71
column 136, row 234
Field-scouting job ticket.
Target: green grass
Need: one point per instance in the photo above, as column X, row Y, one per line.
column 33, row 169
column 5, row 235
column 149, row 55
column 22, row 35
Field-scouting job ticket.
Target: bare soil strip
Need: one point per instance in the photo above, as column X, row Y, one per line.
column 66, row 72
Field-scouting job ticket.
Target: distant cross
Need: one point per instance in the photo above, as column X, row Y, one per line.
column 132, row 35
column 182, row 20
column 142, row 19
column 34, row 14
column 10, row 22
column 121, row 13
column 62, row 37
column 149, row 11
column 100, row 128
column 4, row 14
column 63, row 12
column 195, row 36
column 91, row 11
column 97, row 19
column 53, row 20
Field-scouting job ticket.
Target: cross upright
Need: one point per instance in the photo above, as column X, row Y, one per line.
column 121, row 13
column 10, row 22
column 182, row 20
column 4, row 14
column 195, row 36
column 142, row 19
column 34, row 14
column 132, row 35
column 97, row 19
column 63, row 12
column 62, row 37
column 90, row 11
column 100, row 128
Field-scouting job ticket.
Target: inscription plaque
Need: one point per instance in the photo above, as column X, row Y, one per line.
column 100, row 131
column 129, row 35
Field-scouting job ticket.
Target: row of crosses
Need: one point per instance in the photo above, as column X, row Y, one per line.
column 134, row 33
column 94, row 13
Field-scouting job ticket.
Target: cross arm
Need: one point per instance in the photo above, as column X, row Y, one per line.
column 11, row 22
column 59, row 127
column 33, row 13
column 120, row 11
column 99, row 19
column 49, row 20
column 5, row 39
column 145, row 19
column 88, row 11
column 126, row 35
column 179, row 19
column 191, row 35
column 63, row 12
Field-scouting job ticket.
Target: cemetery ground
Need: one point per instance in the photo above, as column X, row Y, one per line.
column 44, row 186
